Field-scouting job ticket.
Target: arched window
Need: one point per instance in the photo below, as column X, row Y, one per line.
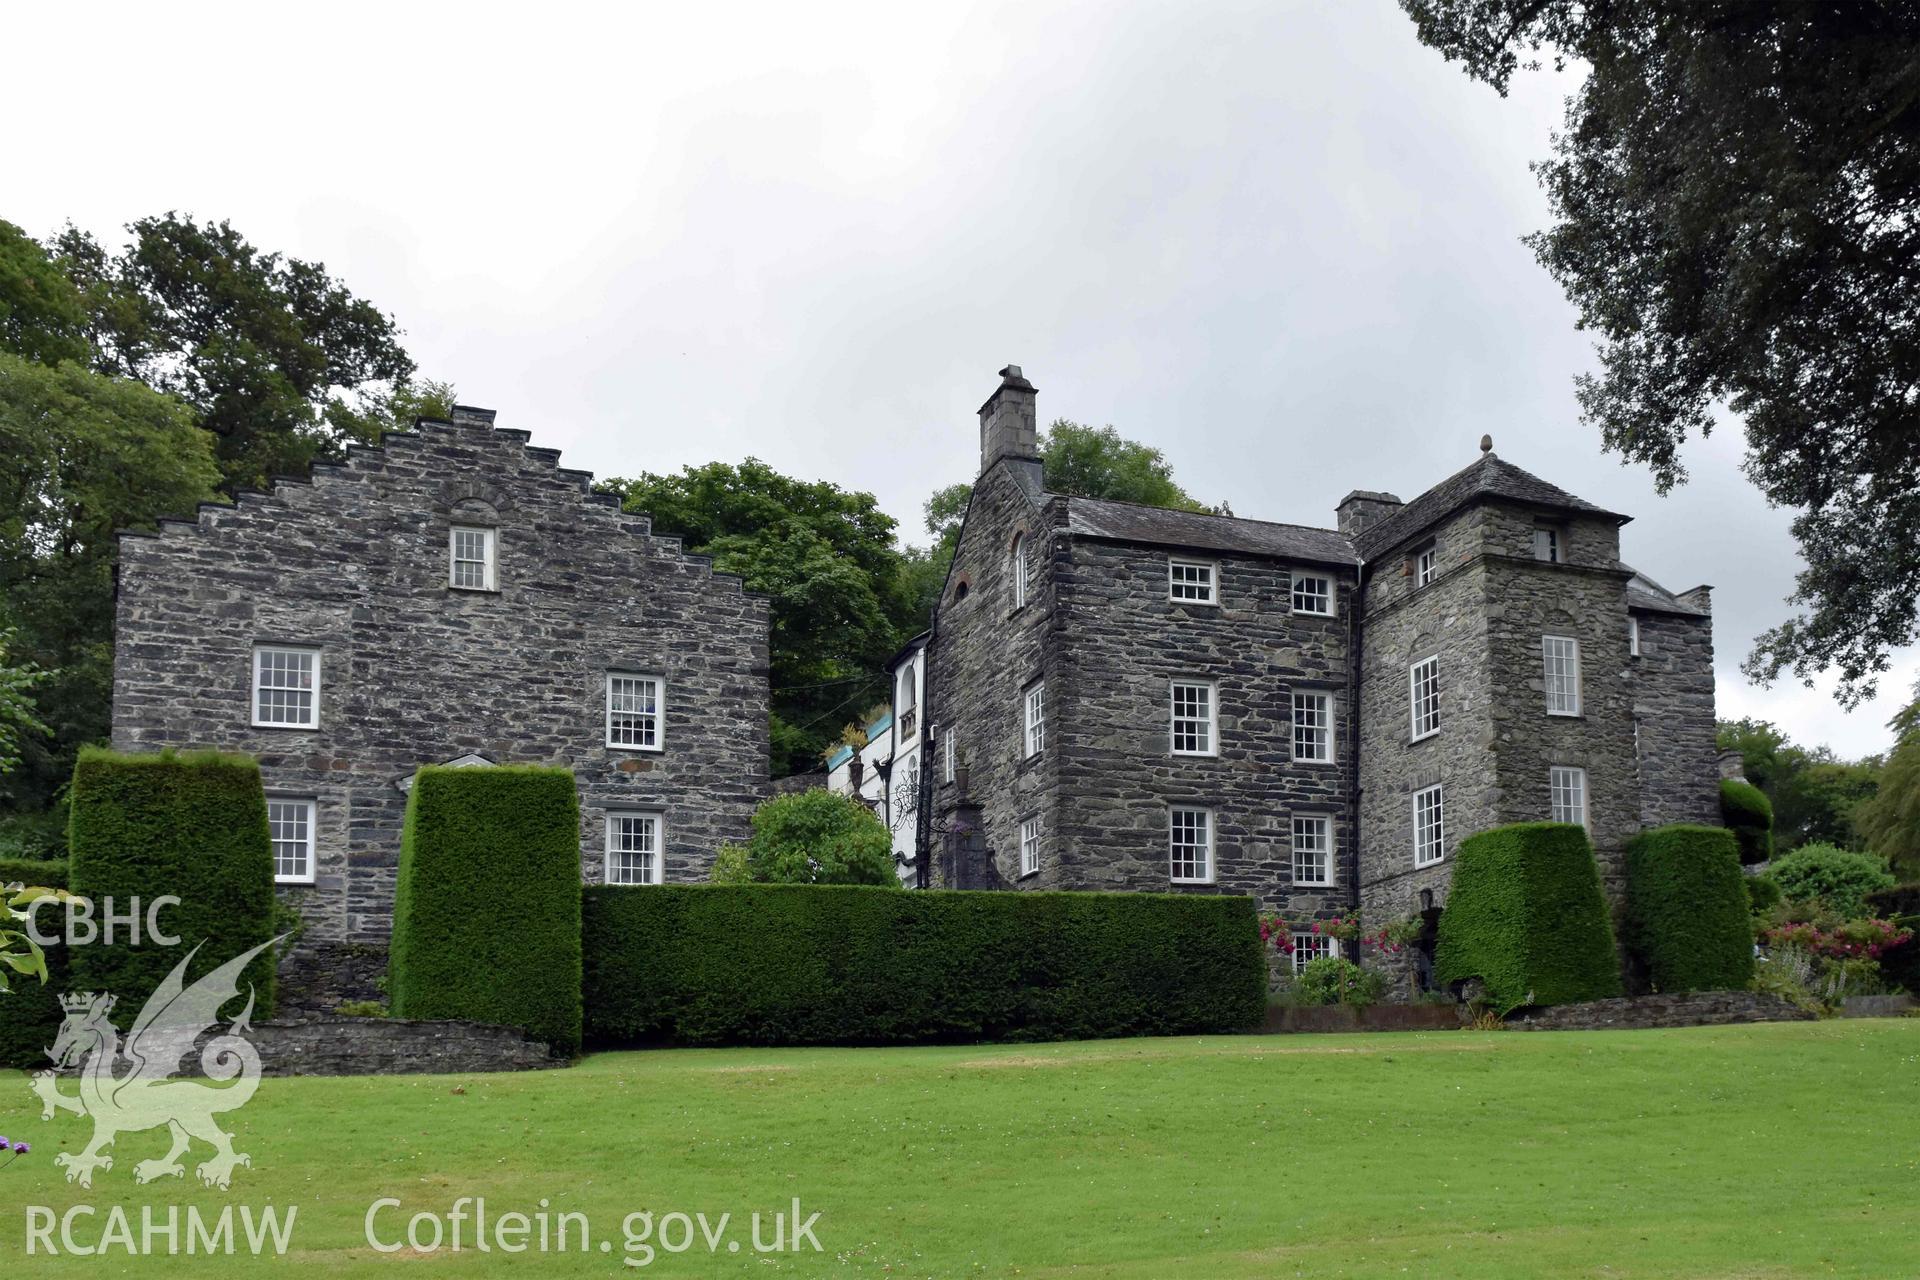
column 904, row 705
column 1019, row 570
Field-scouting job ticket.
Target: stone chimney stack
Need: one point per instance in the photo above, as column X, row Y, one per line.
column 1361, row 510
column 1008, row 426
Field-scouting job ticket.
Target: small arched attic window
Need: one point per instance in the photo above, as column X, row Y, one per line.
column 1017, row 568
column 905, row 703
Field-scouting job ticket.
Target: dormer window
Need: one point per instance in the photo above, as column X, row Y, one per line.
column 1546, row 544
column 471, row 558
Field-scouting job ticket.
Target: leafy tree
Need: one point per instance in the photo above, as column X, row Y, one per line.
column 1094, row 462
column 811, row 837
column 1736, row 197
column 1815, row 795
column 841, row 605
column 279, row 360
column 81, row 454
column 1080, row 461
column 42, row 316
column 17, row 718
column 1890, row 821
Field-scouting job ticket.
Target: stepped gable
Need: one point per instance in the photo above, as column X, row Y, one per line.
column 300, row 493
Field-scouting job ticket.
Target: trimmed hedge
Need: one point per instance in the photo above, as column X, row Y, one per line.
column 486, row 911
column 1688, row 922
column 194, row 825
column 1525, row 916
column 1749, row 815
column 30, row 1017
column 850, row 964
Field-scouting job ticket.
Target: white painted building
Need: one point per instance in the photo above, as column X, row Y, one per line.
column 885, row 773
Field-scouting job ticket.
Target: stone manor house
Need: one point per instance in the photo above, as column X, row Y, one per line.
column 453, row 596
column 1123, row 697
column 1111, row 696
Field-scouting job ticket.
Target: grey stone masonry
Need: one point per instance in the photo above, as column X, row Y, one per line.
column 1100, row 633
column 1503, row 581
column 1672, row 684
column 355, row 566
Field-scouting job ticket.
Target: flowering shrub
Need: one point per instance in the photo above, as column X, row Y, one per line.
column 1333, row 980
column 1389, row 939
column 1850, row 940
column 1276, row 933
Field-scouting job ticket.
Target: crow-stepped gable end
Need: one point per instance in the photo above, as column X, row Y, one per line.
column 1122, row 697
column 453, row 596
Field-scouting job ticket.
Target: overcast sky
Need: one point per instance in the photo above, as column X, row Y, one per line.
column 1280, row 242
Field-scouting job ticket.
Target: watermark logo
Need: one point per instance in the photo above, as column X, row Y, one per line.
column 128, row 1087
column 109, row 923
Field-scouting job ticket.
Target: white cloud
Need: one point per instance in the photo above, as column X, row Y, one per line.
column 1280, row 242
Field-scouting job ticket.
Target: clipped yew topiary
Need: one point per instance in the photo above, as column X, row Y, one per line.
column 30, row 1015
column 192, row 825
column 852, row 964
column 1688, row 923
column 486, row 911
column 1526, row 917
column 1749, row 815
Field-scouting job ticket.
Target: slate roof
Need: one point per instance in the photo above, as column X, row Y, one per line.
column 1196, row 531
column 1644, row 593
column 1488, row 476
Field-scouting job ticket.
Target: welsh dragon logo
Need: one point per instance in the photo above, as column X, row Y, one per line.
column 144, row 1095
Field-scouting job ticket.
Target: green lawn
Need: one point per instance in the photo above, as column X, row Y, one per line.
column 1780, row 1150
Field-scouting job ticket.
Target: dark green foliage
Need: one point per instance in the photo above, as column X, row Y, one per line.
column 812, row 837
column 1732, row 196
column 1763, row 895
column 1749, row 815
column 34, row 837
column 1898, row 902
column 1689, row 922
column 1836, row 878
column 1901, row 904
column 842, row 598
column 1817, row 797
column 486, row 913
column 1889, row 823
column 1338, row 980
column 81, row 455
column 830, row 964
column 42, row 316
column 1525, row 916
column 30, row 1016
column 193, row 825
column 280, row 362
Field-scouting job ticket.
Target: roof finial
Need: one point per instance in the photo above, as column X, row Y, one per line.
column 1486, row 444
